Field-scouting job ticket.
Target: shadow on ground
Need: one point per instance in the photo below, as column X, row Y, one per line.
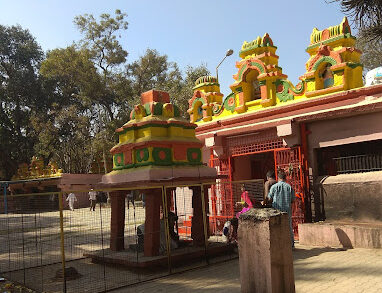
column 303, row 253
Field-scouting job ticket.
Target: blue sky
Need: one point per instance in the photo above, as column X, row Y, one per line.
column 189, row 32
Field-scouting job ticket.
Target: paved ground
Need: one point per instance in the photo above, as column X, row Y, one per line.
column 316, row 270
column 33, row 239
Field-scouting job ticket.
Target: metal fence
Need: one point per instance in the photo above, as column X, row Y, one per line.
column 360, row 163
column 48, row 247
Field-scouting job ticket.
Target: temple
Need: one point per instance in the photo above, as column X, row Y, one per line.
column 157, row 151
column 328, row 124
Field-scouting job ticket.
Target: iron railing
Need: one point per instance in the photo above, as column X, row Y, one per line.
column 360, row 163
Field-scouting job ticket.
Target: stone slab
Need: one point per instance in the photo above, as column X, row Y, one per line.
column 348, row 235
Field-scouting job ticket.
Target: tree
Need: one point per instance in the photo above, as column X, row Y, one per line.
column 186, row 88
column 21, row 95
column 74, row 75
column 366, row 14
column 66, row 134
column 100, row 38
column 66, row 138
column 371, row 52
column 153, row 70
column 106, row 51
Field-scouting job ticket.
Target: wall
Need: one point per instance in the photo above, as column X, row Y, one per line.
column 352, row 197
column 242, row 168
column 347, row 130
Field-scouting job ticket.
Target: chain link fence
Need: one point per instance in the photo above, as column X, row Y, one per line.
column 68, row 242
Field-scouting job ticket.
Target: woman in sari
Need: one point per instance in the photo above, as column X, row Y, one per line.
column 245, row 201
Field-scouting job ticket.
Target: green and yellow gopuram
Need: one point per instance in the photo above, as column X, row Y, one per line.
column 259, row 84
column 157, row 148
column 155, row 143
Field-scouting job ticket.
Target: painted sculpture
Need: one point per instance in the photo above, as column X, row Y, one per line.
column 36, row 170
column 334, row 65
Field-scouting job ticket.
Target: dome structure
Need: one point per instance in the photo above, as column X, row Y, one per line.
column 157, row 144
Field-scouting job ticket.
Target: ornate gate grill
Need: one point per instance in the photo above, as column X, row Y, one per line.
column 290, row 161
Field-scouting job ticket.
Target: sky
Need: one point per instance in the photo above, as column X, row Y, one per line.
column 189, row 32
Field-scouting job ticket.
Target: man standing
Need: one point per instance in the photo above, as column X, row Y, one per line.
column 282, row 195
column 71, row 199
column 271, row 179
column 93, row 199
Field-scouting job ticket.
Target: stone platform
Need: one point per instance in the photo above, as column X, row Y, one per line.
column 132, row 259
column 341, row 234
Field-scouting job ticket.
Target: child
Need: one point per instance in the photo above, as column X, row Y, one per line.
column 230, row 230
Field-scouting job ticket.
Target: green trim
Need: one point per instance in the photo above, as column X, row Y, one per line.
column 326, row 59
column 155, row 125
column 176, row 111
column 197, row 100
column 158, row 108
column 155, row 164
column 145, row 154
column 246, row 66
column 217, row 109
column 205, row 84
column 193, row 151
column 296, row 91
column 115, row 159
column 284, row 95
column 262, row 82
column 344, row 36
column 228, row 107
column 166, row 161
column 253, row 47
column 353, row 65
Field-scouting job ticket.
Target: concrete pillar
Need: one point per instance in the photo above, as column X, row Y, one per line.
column 153, row 201
column 197, row 228
column 117, row 220
column 265, row 252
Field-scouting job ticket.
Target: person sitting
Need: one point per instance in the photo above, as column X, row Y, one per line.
column 230, row 230
column 174, row 237
column 246, row 202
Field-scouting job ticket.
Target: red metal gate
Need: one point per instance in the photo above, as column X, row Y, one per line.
column 290, row 161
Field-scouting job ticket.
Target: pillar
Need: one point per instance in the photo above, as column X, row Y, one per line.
column 197, row 227
column 265, row 252
column 117, row 220
column 153, row 200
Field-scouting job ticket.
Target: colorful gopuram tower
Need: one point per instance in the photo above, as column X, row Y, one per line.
column 157, row 142
column 259, row 84
column 157, row 149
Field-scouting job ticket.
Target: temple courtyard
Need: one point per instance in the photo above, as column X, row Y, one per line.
column 316, row 270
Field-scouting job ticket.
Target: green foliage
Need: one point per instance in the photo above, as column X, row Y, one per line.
column 371, row 51
column 186, row 91
column 66, row 138
column 100, row 38
column 66, row 107
column 21, row 95
column 153, row 70
column 366, row 15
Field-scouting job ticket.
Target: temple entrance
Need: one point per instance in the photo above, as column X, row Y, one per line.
column 252, row 155
column 253, row 166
